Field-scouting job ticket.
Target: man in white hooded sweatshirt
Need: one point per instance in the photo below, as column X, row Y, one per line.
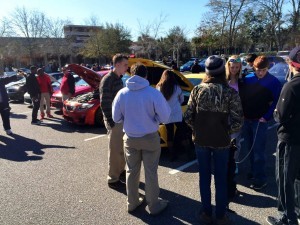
column 141, row 108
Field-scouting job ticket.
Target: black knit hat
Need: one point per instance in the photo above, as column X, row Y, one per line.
column 214, row 65
column 295, row 57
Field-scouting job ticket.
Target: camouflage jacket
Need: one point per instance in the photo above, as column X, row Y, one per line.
column 214, row 112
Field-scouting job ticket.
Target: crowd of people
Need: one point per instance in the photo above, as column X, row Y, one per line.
column 222, row 109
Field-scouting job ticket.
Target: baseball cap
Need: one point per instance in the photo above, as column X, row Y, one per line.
column 295, row 57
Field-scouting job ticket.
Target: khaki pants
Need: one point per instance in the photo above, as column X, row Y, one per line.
column 146, row 149
column 116, row 160
column 45, row 99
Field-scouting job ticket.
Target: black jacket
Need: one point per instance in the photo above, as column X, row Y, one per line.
column 3, row 93
column 32, row 86
column 287, row 112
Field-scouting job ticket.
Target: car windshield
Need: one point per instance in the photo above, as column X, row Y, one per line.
column 81, row 82
column 279, row 70
column 283, row 53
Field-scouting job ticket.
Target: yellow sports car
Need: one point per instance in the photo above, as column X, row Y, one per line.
column 155, row 71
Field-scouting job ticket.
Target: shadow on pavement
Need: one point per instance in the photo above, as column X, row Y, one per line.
column 17, row 116
column 15, row 148
column 181, row 210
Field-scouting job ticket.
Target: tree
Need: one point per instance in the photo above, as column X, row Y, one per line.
column 295, row 22
column 273, row 8
column 55, row 35
column 176, row 41
column 149, row 35
column 108, row 41
column 229, row 12
column 31, row 25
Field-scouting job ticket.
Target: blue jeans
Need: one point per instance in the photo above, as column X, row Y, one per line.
column 287, row 168
column 255, row 136
column 220, row 161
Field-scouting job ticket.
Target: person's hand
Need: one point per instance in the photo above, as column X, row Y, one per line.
column 262, row 120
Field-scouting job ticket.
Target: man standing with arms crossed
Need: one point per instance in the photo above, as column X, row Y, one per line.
column 287, row 114
column 141, row 139
column 109, row 87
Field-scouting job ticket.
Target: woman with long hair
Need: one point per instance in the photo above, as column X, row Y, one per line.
column 172, row 92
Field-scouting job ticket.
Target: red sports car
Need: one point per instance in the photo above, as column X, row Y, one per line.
column 85, row 108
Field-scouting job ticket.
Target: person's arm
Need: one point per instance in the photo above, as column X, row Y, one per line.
column 235, row 113
column 276, row 89
column 6, row 80
column 162, row 108
column 106, row 99
column 116, row 110
column 189, row 114
column 283, row 111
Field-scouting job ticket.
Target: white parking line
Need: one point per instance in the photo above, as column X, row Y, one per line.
column 99, row 136
column 181, row 168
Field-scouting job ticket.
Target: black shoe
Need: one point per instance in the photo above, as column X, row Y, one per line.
column 122, row 176
column 275, row 221
column 117, row 185
column 36, row 122
column 258, row 185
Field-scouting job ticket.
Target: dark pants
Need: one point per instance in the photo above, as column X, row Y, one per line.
column 36, row 107
column 220, row 160
column 255, row 136
column 5, row 112
column 287, row 168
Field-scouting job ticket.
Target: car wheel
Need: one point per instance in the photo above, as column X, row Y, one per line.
column 99, row 118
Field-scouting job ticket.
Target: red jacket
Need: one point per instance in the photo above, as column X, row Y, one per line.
column 44, row 83
column 67, row 84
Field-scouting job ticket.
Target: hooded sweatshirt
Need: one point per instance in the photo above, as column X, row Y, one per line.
column 141, row 107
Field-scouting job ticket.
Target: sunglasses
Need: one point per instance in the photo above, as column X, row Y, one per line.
column 237, row 60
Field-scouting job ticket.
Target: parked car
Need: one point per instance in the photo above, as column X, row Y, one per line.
column 283, row 54
column 16, row 90
column 280, row 71
column 85, row 109
column 80, row 87
column 187, row 66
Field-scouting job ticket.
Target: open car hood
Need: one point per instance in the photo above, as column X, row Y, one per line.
column 92, row 77
column 155, row 71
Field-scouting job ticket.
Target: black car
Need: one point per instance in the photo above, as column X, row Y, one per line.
column 280, row 71
column 16, row 90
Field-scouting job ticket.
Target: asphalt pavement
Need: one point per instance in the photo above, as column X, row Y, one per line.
column 55, row 174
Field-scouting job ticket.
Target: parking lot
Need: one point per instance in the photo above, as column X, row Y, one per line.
column 55, row 173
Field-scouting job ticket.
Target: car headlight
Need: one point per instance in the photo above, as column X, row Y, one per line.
column 84, row 106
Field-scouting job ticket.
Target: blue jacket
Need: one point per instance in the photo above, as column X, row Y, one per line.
column 141, row 107
column 259, row 96
column 3, row 93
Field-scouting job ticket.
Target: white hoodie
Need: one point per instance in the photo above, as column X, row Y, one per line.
column 141, row 107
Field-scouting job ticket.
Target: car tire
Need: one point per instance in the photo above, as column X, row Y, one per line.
column 99, row 118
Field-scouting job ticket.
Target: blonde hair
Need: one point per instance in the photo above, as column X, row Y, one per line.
column 236, row 59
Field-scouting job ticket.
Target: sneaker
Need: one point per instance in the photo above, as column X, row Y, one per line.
column 42, row 116
column 132, row 208
column 224, row 221
column 203, row 218
column 258, row 186
column 162, row 206
column 36, row 122
column 275, row 221
column 9, row 132
column 117, row 185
